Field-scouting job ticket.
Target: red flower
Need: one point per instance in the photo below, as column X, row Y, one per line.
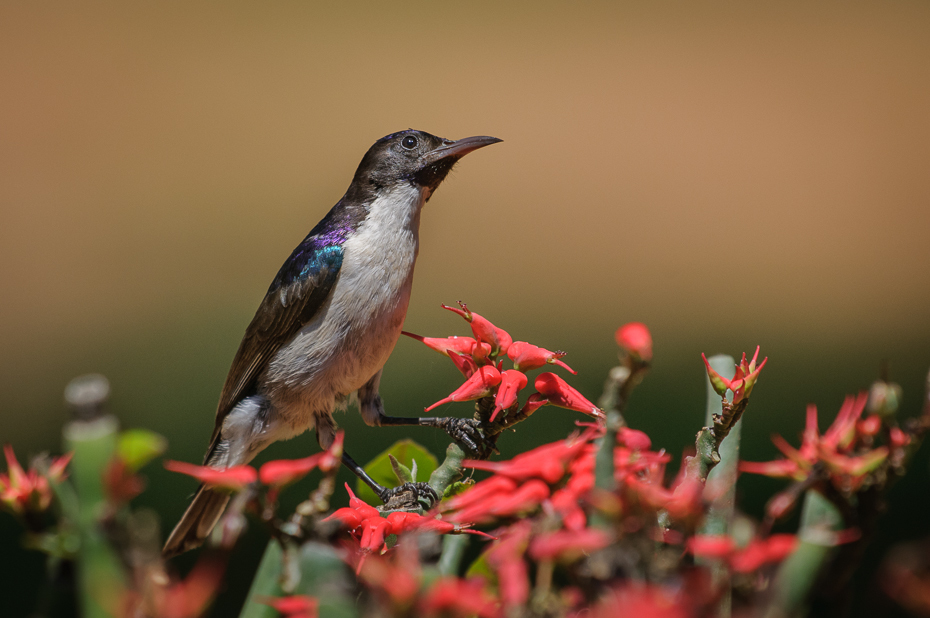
column 527, row 497
column 294, row 606
column 465, row 352
column 454, row 344
column 635, row 338
column 869, row 426
column 234, row 478
column 282, row 472
column 743, row 380
column 506, row 558
column 120, row 484
column 633, row 439
column 512, row 381
column 711, row 546
column 526, row 357
column 547, row 462
column 451, row 596
column 497, row 338
column 568, row 544
column 559, row 393
column 22, row 491
column 847, row 470
column 763, row 551
column 477, row 386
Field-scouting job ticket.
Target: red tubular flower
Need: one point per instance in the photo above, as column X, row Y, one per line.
column 484, row 330
column 763, row 551
column 897, row 438
column 348, row 517
column 559, row 393
column 119, row 483
column 633, row 439
column 506, row 558
column 283, row 472
column 533, row 403
column 477, row 386
column 465, row 363
column 711, row 546
column 527, row 497
column 635, row 338
column 842, row 431
column 448, row 345
column 332, row 457
column 568, row 544
column 526, row 357
column 512, row 382
column 451, row 596
column 234, row 478
column 546, row 462
column 869, row 426
column 363, row 508
column 294, row 606
column 480, row 492
column 565, row 502
column 374, row 530
column 779, row 468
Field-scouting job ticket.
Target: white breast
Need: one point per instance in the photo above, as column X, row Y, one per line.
column 353, row 334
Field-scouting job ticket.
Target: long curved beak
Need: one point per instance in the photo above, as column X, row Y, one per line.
column 460, row 148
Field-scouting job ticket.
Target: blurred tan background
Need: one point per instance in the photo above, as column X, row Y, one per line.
column 729, row 173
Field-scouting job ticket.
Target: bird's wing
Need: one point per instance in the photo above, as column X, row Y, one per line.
column 292, row 301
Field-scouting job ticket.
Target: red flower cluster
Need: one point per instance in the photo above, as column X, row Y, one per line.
column 842, row 450
column 559, row 478
column 370, row 527
column 479, row 361
column 29, row 492
column 274, row 474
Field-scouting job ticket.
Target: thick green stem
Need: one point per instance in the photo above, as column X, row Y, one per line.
column 721, row 481
column 453, row 549
column 99, row 574
column 820, row 520
column 449, row 470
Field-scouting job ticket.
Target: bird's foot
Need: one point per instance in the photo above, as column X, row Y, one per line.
column 409, row 497
column 467, row 432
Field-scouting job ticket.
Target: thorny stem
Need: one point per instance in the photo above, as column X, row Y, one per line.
column 707, row 444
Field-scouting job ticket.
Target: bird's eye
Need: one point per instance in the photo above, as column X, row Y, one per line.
column 409, row 142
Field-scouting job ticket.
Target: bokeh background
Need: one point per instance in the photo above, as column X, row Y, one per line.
column 730, row 173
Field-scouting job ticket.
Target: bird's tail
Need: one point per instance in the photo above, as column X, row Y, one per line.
column 197, row 522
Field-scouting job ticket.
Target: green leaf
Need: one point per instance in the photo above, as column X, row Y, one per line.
column 137, row 447
column 381, row 470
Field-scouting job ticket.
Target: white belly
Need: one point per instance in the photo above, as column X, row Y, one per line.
column 352, row 335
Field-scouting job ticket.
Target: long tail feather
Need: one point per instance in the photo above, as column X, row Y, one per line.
column 197, row 522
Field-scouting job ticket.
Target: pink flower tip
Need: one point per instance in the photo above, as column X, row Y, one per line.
column 636, row 340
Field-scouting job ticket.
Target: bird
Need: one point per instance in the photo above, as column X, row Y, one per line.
column 330, row 320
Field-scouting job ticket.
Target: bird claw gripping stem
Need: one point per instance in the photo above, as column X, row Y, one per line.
column 467, row 432
column 409, row 497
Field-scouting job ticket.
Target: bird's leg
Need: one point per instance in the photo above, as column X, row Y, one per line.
column 408, row 496
column 465, row 431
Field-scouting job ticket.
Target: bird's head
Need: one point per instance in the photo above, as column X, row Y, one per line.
column 414, row 157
